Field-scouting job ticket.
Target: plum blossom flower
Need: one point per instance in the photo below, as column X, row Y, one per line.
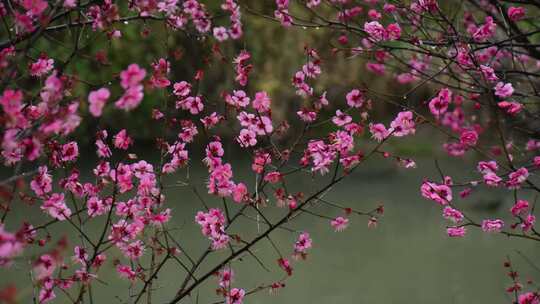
column 97, row 100
column 247, row 138
column 439, row 104
column 56, row 207
column 131, row 98
column 355, row 98
column 378, row 132
column 34, row 7
column 132, row 76
column 122, row 140
column 486, row 30
column 341, row 119
column 41, row 67
column 213, row 226
column 528, row 222
column 303, row 243
column 340, row 223
column 516, row 13
column 220, row 33
column 10, row 247
column 70, row 151
column 456, row 231
column 375, row 30
column 519, row 207
column 235, row 296
column 485, row 167
column 125, row 271
column 516, row 178
column 41, row 184
column 503, row 90
column 273, row 177
column 393, row 31
column 441, row 194
column 403, row 124
column 492, row 179
column 511, row 107
column 468, row 137
column 285, row 265
column 492, row 225
column 452, row 214
column 261, row 102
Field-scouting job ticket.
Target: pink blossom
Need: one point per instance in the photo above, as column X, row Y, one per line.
column 285, row 265
column 261, row 102
column 303, row 243
column 161, row 69
column 516, row 178
column 528, row 222
column 519, row 207
column 131, row 99
column 503, row 90
column 70, row 151
column 70, row 3
column 56, row 207
column 34, row 7
column 529, row 298
column 220, row 33
column 132, row 76
column 468, row 137
column 456, row 231
column 485, row 167
column 492, row 179
column 378, row 131
column 182, row 89
column 377, row 68
column 239, row 99
column 10, row 247
column 260, row 160
column 492, row 225
column 311, row 69
column 240, row 193
column 273, row 177
column 133, row 251
column 511, row 107
column 306, row 115
column 235, row 296
column 375, row 30
column 41, row 67
column 247, row 138
column 439, row 193
column 439, row 104
column 340, row 223
column 452, row 214
column 124, row 271
column 41, row 184
column 489, row 73
column 393, row 31
column 321, row 155
column 226, row 277
column 403, row 124
column 516, row 13
column 355, row 98
column 486, row 30
column 341, row 118
column 213, row 226
column 122, row 140
column 374, row 14
column 192, row 104
column 97, row 100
